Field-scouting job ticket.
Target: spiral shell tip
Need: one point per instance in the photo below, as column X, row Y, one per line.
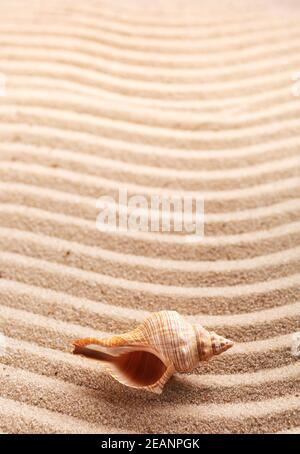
column 220, row 344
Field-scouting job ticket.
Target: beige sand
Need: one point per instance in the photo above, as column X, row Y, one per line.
column 160, row 95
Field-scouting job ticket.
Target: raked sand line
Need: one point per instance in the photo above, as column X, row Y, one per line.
column 16, row 294
column 199, row 37
column 55, row 218
column 194, row 46
column 232, row 222
column 213, row 181
column 68, row 330
column 216, row 388
column 155, row 94
column 130, row 13
column 113, row 151
column 144, row 170
column 137, row 90
column 61, row 335
column 122, row 16
column 89, row 54
column 123, row 172
column 110, row 147
column 87, row 29
column 31, row 420
column 135, row 133
column 40, row 359
column 119, row 14
column 39, row 242
column 89, row 406
column 208, row 104
column 135, row 268
column 62, row 157
column 64, row 307
column 171, row 99
column 192, row 116
column 274, row 213
column 69, row 204
column 90, row 185
column 236, row 246
column 58, row 335
column 189, row 121
column 257, row 101
column 105, row 284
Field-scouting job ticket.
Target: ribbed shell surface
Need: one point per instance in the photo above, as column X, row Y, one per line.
column 173, row 337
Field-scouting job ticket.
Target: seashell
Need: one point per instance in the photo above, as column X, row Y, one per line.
column 150, row 354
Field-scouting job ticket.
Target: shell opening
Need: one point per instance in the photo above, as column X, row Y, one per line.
column 140, row 368
column 136, row 367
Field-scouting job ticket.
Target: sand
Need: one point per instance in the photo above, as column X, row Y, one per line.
column 157, row 96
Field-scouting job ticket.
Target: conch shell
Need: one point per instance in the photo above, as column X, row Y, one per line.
column 149, row 355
